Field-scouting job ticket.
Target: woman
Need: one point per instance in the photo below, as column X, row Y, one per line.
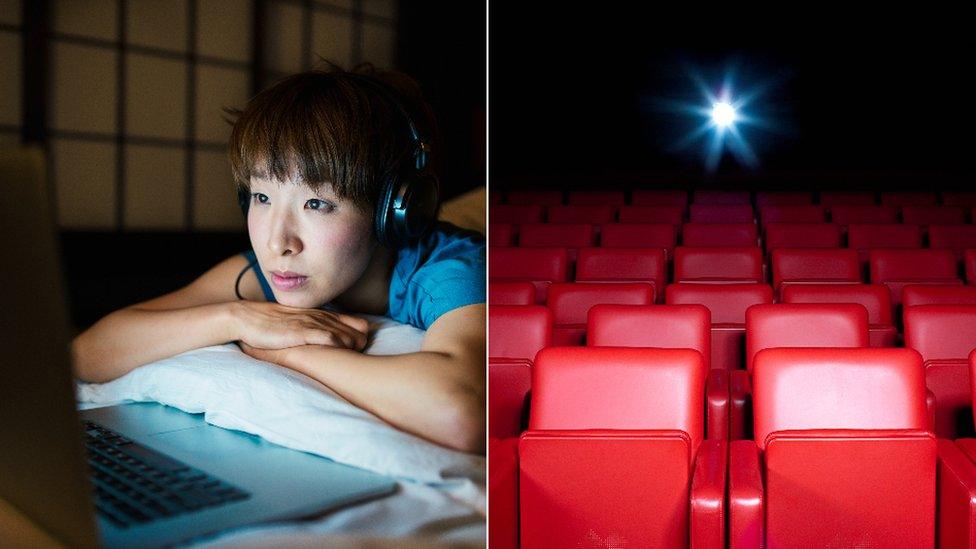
column 311, row 156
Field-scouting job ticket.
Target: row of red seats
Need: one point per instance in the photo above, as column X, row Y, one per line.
column 842, row 455
column 728, row 213
column 674, row 197
column 893, row 268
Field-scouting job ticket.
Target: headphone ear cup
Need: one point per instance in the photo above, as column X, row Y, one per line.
column 384, row 212
column 419, row 209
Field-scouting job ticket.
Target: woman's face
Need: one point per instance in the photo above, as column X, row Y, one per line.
column 311, row 245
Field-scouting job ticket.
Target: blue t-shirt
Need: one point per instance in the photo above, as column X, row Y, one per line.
column 436, row 274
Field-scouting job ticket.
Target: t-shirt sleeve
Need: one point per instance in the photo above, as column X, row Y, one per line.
column 450, row 277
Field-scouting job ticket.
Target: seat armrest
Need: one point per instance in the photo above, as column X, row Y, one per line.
column 740, row 405
column 503, row 493
column 930, row 408
column 957, row 497
column 708, row 495
column 746, row 496
column 717, row 405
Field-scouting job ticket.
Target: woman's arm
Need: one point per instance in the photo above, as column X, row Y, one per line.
column 437, row 393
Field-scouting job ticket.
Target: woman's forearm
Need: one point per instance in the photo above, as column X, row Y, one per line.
column 425, row 393
column 128, row 338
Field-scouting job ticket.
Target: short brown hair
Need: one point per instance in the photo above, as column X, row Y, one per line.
column 325, row 126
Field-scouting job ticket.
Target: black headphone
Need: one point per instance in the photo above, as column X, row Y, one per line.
column 409, row 194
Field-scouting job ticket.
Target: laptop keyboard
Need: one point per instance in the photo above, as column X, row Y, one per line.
column 135, row 484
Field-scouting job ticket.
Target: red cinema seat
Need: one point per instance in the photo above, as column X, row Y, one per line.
column 841, row 457
column 969, row 262
column 718, row 265
column 808, row 213
column 515, row 214
column 957, row 492
column 540, row 266
column 864, row 238
column 538, row 197
column 672, row 215
column 623, row 265
column 592, row 215
column 846, row 198
column 503, row 493
column 876, row 298
column 933, row 215
column 727, row 304
column 957, row 238
column 666, row 327
column 955, row 198
column 908, row 198
column 937, row 294
column 501, row 235
column 638, row 235
column 805, row 266
column 664, row 197
column 863, row 215
column 945, row 335
column 516, row 334
column 511, row 293
column 707, row 196
column 802, row 235
column 719, row 235
column 602, row 464
column 494, row 197
column 570, row 303
column 721, row 213
column 783, row 198
column 547, row 235
column 602, row 198
column 898, row 268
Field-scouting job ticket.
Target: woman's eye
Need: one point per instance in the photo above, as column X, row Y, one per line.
column 262, row 198
column 320, row 205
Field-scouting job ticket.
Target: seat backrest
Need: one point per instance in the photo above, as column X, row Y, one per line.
column 511, row 293
column 515, row 214
column 709, row 196
column 876, row 298
column 721, row 213
column 969, row 261
column 937, row 294
column 908, row 198
column 619, row 388
column 518, row 332
column 804, row 325
column 664, row 326
column 622, row 265
column 896, row 265
column 941, row 332
column 577, row 213
column 638, row 235
column 953, row 237
column 540, row 266
column 814, row 265
column 957, row 198
column 930, row 215
column 847, row 198
column 795, row 389
column 802, row 235
column 718, row 264
column 571, row 301
column 510, row 383
column 540, row 197
column 807, row 213
column 847, row 215
column 883, row 235
column 548, row 235
column 783, row 198
column 673, row 215
column 501, row 235
column 602, row 198
column 719, row 235
column 727, row 303
column 661, row 197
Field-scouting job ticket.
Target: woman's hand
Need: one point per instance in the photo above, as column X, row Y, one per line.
column 275, row 356
column 265, row 325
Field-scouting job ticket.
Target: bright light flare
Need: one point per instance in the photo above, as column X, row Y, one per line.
column 723, row 114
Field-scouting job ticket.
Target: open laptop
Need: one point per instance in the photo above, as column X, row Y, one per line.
column 134, row 475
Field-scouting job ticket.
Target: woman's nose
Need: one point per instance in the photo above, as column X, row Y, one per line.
column 283, row 238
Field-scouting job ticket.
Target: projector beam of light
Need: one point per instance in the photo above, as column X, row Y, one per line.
column 723, row 114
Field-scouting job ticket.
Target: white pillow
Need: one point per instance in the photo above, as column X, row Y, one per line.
column 236, row 391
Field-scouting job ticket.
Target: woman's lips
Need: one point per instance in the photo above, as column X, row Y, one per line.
column 287, row 282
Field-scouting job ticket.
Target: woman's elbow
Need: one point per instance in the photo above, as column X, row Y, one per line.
column 465, row 428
